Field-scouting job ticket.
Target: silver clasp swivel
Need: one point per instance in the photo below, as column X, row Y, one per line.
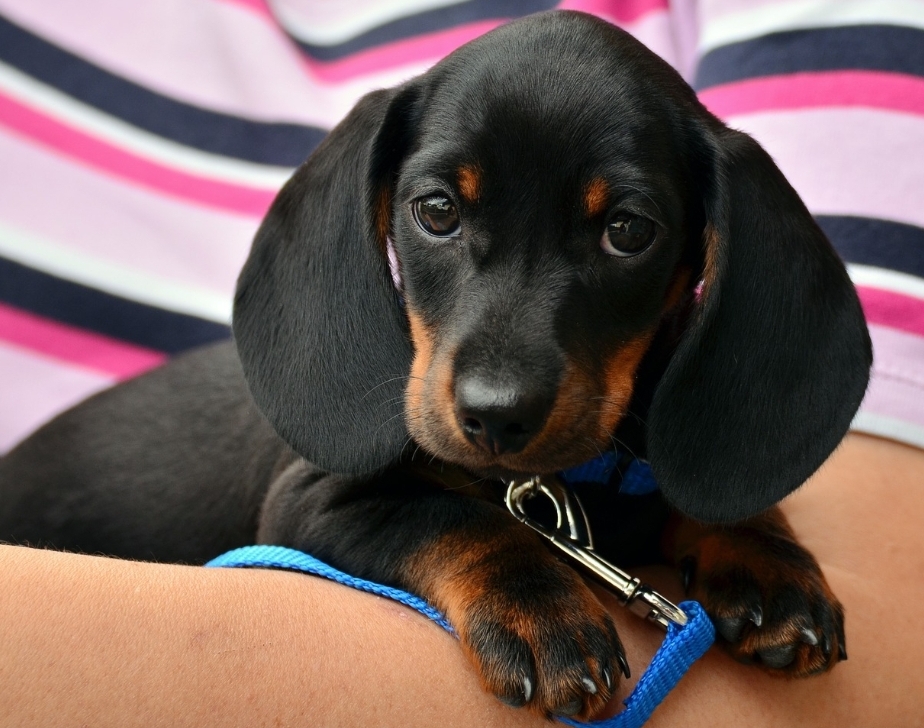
column 571, row 534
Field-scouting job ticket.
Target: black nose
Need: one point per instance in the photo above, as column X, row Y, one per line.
column 499, row 418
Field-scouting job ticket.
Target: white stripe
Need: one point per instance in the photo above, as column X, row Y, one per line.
column 886, row 280
column 119, row 280
column 805, row 14
column 332, row 22
column 888, row 427
column 77, row 115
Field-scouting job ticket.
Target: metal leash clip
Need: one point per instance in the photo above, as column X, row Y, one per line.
column 571, row 535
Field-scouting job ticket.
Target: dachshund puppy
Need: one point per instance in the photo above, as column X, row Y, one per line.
column 542, row 248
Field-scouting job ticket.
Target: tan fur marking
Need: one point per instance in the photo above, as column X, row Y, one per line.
column 469, row 180
column 423, row 358
column 596, row 196
column 444, row 400
column 429, row 401
column 570, row 402
column 452, row 570
column 619, row 377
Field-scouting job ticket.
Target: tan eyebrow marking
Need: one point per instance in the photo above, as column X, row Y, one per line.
column 619, row 381
column 469, row 178
column 596, row 196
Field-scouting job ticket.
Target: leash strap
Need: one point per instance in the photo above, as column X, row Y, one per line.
column 681, row 647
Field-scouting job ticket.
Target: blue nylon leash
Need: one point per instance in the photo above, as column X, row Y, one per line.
column 280, row 557
column 681, row 647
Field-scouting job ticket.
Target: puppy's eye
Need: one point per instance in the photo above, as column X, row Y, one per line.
column 628, row 235
column 436, row 215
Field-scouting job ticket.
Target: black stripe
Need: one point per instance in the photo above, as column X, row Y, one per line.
column 430, row 21
column 280, row 144
column 881, row 243
column 90, row 309
column 867, row 47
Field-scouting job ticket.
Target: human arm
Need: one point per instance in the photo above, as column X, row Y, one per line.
column 102, row 642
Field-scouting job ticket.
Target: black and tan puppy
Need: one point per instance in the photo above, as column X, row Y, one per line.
column 540, row 248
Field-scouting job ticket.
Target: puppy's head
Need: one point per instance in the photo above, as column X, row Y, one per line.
column 480, row 259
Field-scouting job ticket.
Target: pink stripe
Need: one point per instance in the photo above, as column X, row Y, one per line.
column 96, row 214
column 892, row 91
column 76, row 346
column 894, row 310
column 258, row 6
column 622, row 12
column 91, row 151
column 421, row 48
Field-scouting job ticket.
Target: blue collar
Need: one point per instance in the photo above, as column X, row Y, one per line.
column 637, row 478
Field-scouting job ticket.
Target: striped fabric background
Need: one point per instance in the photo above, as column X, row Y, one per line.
column 140, row 143
column 835, row 92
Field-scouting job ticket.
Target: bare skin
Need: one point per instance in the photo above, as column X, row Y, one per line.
column 99, row 642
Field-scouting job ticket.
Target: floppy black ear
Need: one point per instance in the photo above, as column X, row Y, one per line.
column 317, row 321
column 766, row 380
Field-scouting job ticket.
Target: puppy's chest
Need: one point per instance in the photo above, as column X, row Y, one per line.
column 627, row 529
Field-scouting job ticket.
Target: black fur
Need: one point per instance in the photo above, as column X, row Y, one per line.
column 742, row 390
column 315, row 304
column 776, row 361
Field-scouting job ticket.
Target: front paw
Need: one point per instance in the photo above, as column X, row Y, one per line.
column 541, row 639
column 772, row 607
